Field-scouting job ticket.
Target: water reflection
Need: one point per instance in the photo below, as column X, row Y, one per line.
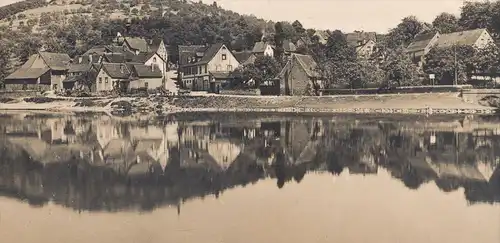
column 100, row 163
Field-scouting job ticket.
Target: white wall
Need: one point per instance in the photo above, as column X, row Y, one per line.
column 153, row 83
column 218, row 64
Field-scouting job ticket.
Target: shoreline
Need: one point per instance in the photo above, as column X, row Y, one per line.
column 423, row 104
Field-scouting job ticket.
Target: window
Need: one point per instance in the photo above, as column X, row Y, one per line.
column 154, row 59
column 229, row 67
column 205, row 69
column 146, row 84
column 100, row 80
column 224, row 56
column 106, row 79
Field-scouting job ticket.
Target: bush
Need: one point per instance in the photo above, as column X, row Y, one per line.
column 5, row 100
column 122, row 105
column 86, row 103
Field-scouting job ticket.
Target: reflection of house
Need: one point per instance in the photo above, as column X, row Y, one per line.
column 299, row 76
column 42, row 71
column 224, row 152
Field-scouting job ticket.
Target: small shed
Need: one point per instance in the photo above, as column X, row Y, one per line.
column 29, row 79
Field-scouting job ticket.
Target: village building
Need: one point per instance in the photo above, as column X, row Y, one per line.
column 420, row 46
column 298, row 77
column 78, row 75
column 478, row 38
column 112, row 76
column 145, row 77
column 245, row 57
column 263, row 49
column 205, row 66
column 289, row 48
column 151, row 59
column 364, row 42
column 42, row 71
column 322, row 36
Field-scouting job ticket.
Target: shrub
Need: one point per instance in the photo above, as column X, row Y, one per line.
column 5, row 100
column 40, row 100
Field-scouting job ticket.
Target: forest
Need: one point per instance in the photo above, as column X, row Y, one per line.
column 180, row 22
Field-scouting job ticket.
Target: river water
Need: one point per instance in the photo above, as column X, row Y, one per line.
column 230, row 178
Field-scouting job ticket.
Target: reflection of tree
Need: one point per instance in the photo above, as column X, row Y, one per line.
column 285, row 150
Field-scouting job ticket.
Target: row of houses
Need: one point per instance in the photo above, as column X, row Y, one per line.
column 127, row 64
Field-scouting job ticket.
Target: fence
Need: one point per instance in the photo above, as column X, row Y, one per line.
column 398, row 90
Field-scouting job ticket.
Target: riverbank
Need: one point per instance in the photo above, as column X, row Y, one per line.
column 444, row 103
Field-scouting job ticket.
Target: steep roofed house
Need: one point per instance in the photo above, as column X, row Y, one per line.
column 364, row 42
column 33, row 73
column 111, row 76
column 147, row 77
column 151, row 58
column 421, row 45
column 199, row 74
column 263, row 48
column 136, row 45
column 299, row 76
column 244, row 57
column 158, row 45
column 478, row 38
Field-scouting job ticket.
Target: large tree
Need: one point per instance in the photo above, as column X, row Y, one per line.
column 445, row 62
column 264, row 68
column 400, row 70
column 404, row 32
column 446, row 23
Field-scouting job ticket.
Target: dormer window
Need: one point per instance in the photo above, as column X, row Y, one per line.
column 224, row 56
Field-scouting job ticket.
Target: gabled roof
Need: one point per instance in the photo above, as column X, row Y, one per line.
column 259, row 47
column 144, row 71
column 30, row 61
column 143, row 57
column 210, row 53
column 322, row 33
column 187, row 52
column 467, row 38
column 136, row 43
column 116, row 70
column 56, row 61
column 242, row 56
column 421, row 42
column 95, row 50
column 114, row 57
column 27, row 73
column 78, row 68
column 306, row 62
column 154, row 44
column 361, row 36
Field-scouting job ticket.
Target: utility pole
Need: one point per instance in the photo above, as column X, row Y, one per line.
column 456, row 71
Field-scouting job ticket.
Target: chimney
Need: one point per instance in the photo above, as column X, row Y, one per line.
column 90, row 58
column 80, row 60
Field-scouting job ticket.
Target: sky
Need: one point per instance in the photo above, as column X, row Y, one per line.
column 345, row 15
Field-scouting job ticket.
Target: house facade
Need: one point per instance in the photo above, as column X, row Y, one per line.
column 263, row 48
column 33, row 72
column 217, row 58
column 364, row 42
column 112, row 76
column 420, row 46
column 322, row 36
column 299, row 76
column 145, row 77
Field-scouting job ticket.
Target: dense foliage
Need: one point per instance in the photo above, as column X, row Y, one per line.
column 178, row 22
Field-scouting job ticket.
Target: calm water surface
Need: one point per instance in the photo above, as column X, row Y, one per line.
column 248, row 178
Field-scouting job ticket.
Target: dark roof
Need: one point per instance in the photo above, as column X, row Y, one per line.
column 27, row 73
column 242, row 56
column 95, row 50
column 210, row 53
column 308, row 63
column 259, row 47
column 467, row 38
column 144, row 71
column 187, row 52
column 56, row 61
column 154, row 44
column 115, row 57
column 116, row 70
column 86, row 59
column 78, row 68
column 420, row 42
column 30, row 61
column 136, row 43
column 355, row 37
column 143, row 57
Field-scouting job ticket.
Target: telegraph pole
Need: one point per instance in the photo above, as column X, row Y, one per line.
column 456, row 71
